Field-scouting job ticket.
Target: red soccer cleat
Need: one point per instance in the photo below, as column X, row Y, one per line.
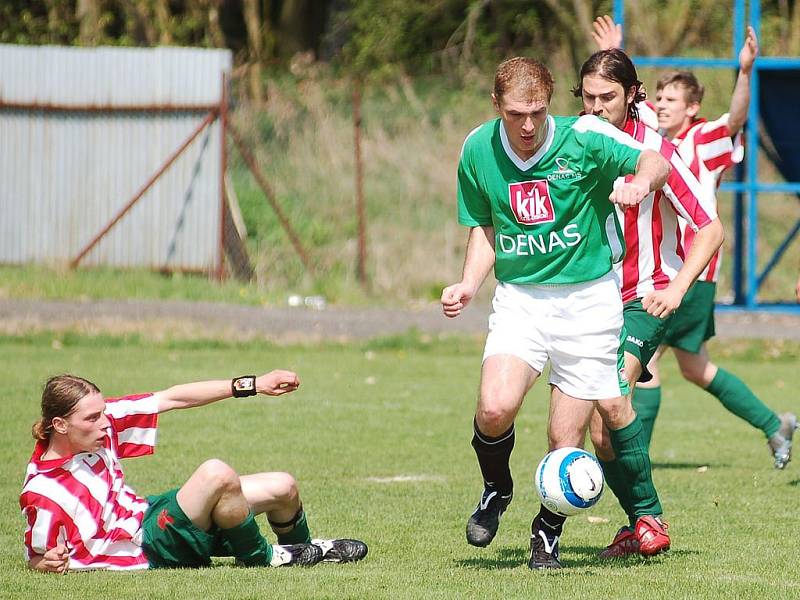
column 651, row 532
column 624, row 543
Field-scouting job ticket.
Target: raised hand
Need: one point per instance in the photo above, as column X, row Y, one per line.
column 748, row 53
column 606, row 34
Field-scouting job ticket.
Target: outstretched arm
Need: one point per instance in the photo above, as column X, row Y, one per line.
column 189, row 395
column 740, row 100
column 606, row 34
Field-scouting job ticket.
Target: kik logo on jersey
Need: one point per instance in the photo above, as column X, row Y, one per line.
column 530, row 202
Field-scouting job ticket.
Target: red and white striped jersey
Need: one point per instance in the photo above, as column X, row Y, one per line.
column 648, row 114
column 708, row 149
column 652, row 249
column 83, row 501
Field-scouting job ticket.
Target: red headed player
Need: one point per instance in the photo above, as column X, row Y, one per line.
column 81, row 514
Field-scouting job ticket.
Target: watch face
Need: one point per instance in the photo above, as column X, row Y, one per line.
column 244, row 384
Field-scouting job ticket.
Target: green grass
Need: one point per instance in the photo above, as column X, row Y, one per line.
column 104, row 283
column 402, row 407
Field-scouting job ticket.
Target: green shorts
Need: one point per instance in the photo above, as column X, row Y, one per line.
column 172, row 541
column 693, row 322
column 644, row 334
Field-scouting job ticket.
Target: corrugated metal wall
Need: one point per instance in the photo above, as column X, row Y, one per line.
column 64, row 174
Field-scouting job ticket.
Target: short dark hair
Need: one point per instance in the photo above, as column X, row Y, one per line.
column 613, row 64
column 527, row 74
column 694, row 90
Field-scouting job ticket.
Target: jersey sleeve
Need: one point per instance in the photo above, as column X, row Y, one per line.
column 690, row 200
column 715, row 148
column 648, row 114
column 46, row 524
column 688, row 197
column 614, row 151
column 474, row 207
column 134, row 423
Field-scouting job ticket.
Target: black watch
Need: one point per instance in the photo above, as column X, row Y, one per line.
column 244, row 386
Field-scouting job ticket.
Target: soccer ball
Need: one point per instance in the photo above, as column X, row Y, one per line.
column 569, row 480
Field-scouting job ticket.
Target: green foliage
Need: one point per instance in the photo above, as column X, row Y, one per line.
column 378, row 438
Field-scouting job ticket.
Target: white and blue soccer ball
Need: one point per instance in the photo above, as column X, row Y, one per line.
column 569, row 480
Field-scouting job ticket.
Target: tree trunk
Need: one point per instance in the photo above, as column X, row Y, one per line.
column 215, row 33
column 87, row 13
column 252, row 20
column 163, row 22
column 147, row 28
column 292, row 27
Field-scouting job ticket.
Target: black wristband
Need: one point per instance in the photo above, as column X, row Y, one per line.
column 244, row 386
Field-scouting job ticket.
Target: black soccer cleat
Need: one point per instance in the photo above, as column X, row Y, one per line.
column 341, row 550
column 483, row 523
column 544, row 549
column 295, row 555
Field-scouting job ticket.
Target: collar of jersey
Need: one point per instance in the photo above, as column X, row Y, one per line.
column 697, row 121
column 47, row 465
column 524, row 165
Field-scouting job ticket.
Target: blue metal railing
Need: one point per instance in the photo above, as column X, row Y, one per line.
column 746, row 279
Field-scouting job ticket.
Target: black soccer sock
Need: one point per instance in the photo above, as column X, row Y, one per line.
column 299, row 532
column 494, row 454
column 548, row 521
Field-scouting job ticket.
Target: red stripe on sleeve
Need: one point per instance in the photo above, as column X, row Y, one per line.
column 705, row 136
column 131, row 450
column 723, row 160
column 687, row 199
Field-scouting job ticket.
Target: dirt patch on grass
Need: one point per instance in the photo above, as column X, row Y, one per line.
column 154, row 319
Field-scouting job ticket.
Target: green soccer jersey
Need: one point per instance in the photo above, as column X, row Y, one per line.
column 553, row 221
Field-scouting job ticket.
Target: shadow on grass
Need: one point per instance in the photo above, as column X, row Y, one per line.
column 795, row 483
column 692, row 466
column 572, row 557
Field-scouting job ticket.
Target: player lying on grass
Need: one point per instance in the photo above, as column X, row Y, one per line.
column 709, row 148
column 536, row 192
column 654, row 274
column 82, row 515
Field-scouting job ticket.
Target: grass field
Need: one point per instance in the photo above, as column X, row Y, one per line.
column 378, row 437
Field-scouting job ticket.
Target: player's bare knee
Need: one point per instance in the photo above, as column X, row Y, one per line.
column 217, row 475
column 617, row 414
column 493, row 420
column 284, row 488
column 692, row 373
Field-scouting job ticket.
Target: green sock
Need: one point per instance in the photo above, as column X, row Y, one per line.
column 738, row 399
column 646, row 402
column 248, row 545
column 615, row 479
column 630, row 448
column 299, row 534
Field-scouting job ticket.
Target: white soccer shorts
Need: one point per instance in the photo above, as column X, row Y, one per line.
column 577, row 326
